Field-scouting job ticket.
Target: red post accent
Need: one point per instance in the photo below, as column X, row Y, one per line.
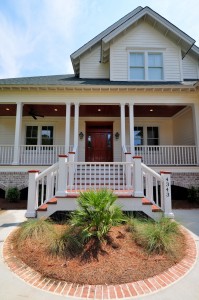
column 127, row 153
column 137, row 156
column 33, row 171
column 165, row 172
column 71, row 152
column 62, row 155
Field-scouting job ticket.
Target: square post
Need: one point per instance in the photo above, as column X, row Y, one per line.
column 166, row 191
column 32, row 194
column 137, row 177
column 62, row 177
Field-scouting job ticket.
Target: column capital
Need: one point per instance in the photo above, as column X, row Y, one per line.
column 131, row 103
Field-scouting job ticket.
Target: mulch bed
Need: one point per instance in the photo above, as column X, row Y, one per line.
column 118, row 261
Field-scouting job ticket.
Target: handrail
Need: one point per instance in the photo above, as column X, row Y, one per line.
column 48, row 170
column 151, row 171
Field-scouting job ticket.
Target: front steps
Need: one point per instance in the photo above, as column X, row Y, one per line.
column 125, row 200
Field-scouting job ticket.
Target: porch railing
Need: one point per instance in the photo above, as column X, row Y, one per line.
column 167, row 155
column 6, row 154
column 56, row 181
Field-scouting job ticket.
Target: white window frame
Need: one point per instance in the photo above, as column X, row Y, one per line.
column 145, row 135
column 39, row 138
column 146, row 52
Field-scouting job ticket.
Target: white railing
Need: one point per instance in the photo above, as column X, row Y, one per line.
column 167, row 155
column 40, row 155
column 6, row 154
column 152, row 186
column 87, row 175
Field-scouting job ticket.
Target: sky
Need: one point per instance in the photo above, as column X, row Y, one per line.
column 37, row 37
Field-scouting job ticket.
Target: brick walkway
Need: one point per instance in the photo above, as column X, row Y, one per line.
column 133, row 289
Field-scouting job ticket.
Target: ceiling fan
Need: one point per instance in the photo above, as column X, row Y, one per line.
column 34, row 114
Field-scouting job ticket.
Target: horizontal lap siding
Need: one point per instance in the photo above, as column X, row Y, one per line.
column 190, row 68
column 90, row 66
column 143, row 36
column 183, row 129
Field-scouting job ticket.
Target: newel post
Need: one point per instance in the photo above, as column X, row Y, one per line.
column 128, row 170
column 137, row 177
column 62, row 176
column 166, row 176
column 32, row 194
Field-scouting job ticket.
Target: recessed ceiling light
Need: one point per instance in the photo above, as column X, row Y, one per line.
column 99, row 109
column 7, row 108
column 55, row 109
column 151, row 109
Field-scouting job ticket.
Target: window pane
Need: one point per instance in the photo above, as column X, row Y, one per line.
column 31, row 135
column 152, row 136
column 137, row 74
column 155, row 59
column 47, row 135
column 155, row 74
column 138, row 136
column 137, row 59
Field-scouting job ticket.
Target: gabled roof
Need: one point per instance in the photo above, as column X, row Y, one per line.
column 150, row 16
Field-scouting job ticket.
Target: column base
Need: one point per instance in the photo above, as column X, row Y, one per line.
column 169, row 215
column 30, row 214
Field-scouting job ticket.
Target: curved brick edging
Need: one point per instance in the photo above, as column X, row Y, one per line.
column 138, row 288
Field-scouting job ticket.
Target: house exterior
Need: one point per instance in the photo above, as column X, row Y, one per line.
column 134, row 92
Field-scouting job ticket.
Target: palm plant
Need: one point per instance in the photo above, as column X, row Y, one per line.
column 97, row 213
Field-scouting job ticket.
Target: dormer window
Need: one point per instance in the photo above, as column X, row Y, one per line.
column 146, row 66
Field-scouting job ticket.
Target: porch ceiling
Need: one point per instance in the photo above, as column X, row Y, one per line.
column 92, row 110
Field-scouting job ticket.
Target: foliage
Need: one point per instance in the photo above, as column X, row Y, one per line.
column 158, row 237
column 193, row 194
column 97, row 213
column 12, row 194
column 36, row 230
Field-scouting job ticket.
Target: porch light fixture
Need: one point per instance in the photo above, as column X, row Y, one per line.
column 117, row 135
column 81, row 135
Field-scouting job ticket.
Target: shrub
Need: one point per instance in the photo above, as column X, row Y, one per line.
column 158, row 237
column 12, row 194
column 97, row 213
column 36, row 229
column 193, row 194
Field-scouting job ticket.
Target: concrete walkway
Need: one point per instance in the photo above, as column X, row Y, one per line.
column 13, row 288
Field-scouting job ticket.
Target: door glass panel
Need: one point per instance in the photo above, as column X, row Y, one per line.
column 89, row 141
column 109, row 138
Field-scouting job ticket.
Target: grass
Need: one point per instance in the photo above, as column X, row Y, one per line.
column 156, row 237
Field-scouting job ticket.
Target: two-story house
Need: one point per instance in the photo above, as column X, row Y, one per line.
column 134, row 92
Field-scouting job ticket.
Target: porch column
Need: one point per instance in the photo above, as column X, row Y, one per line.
column 195, row 111
column 123, row 132
column 131, row 127
column 67, row 128
column 18, row 126
column 76, row 125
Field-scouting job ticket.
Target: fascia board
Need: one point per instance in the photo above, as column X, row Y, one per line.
column 156, row 17
column 100, row 36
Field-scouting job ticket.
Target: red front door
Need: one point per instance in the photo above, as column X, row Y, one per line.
column 99, row 143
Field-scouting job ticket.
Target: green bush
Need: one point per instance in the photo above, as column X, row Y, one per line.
column 193, row 194
column 12, row 194
column 97, row 213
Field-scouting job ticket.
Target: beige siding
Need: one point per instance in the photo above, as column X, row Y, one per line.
column 7, row 130
column 143, row 36
column 183, row 129
column 190, row 68
column 90, row 66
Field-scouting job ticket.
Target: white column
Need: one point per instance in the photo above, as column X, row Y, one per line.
column 137, row 177
column 32, row 204
column 166, row 176
column 76, row 125
column 18, row 126
column 67, row 128
column 131, row 125
column 123, row 132
column 195, row 112
column 62, row 178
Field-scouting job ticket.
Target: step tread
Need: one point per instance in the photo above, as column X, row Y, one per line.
column 156, row 208
column 146, row 201
column 52, row 201
column 43, row 207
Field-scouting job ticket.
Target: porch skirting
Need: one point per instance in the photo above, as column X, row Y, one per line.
column 20, row 179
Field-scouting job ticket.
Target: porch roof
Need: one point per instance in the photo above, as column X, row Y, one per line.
column 70, row 80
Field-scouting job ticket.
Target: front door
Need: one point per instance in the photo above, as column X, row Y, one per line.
column 99, row 143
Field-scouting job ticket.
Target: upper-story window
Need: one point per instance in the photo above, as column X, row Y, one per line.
column 146, row 66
